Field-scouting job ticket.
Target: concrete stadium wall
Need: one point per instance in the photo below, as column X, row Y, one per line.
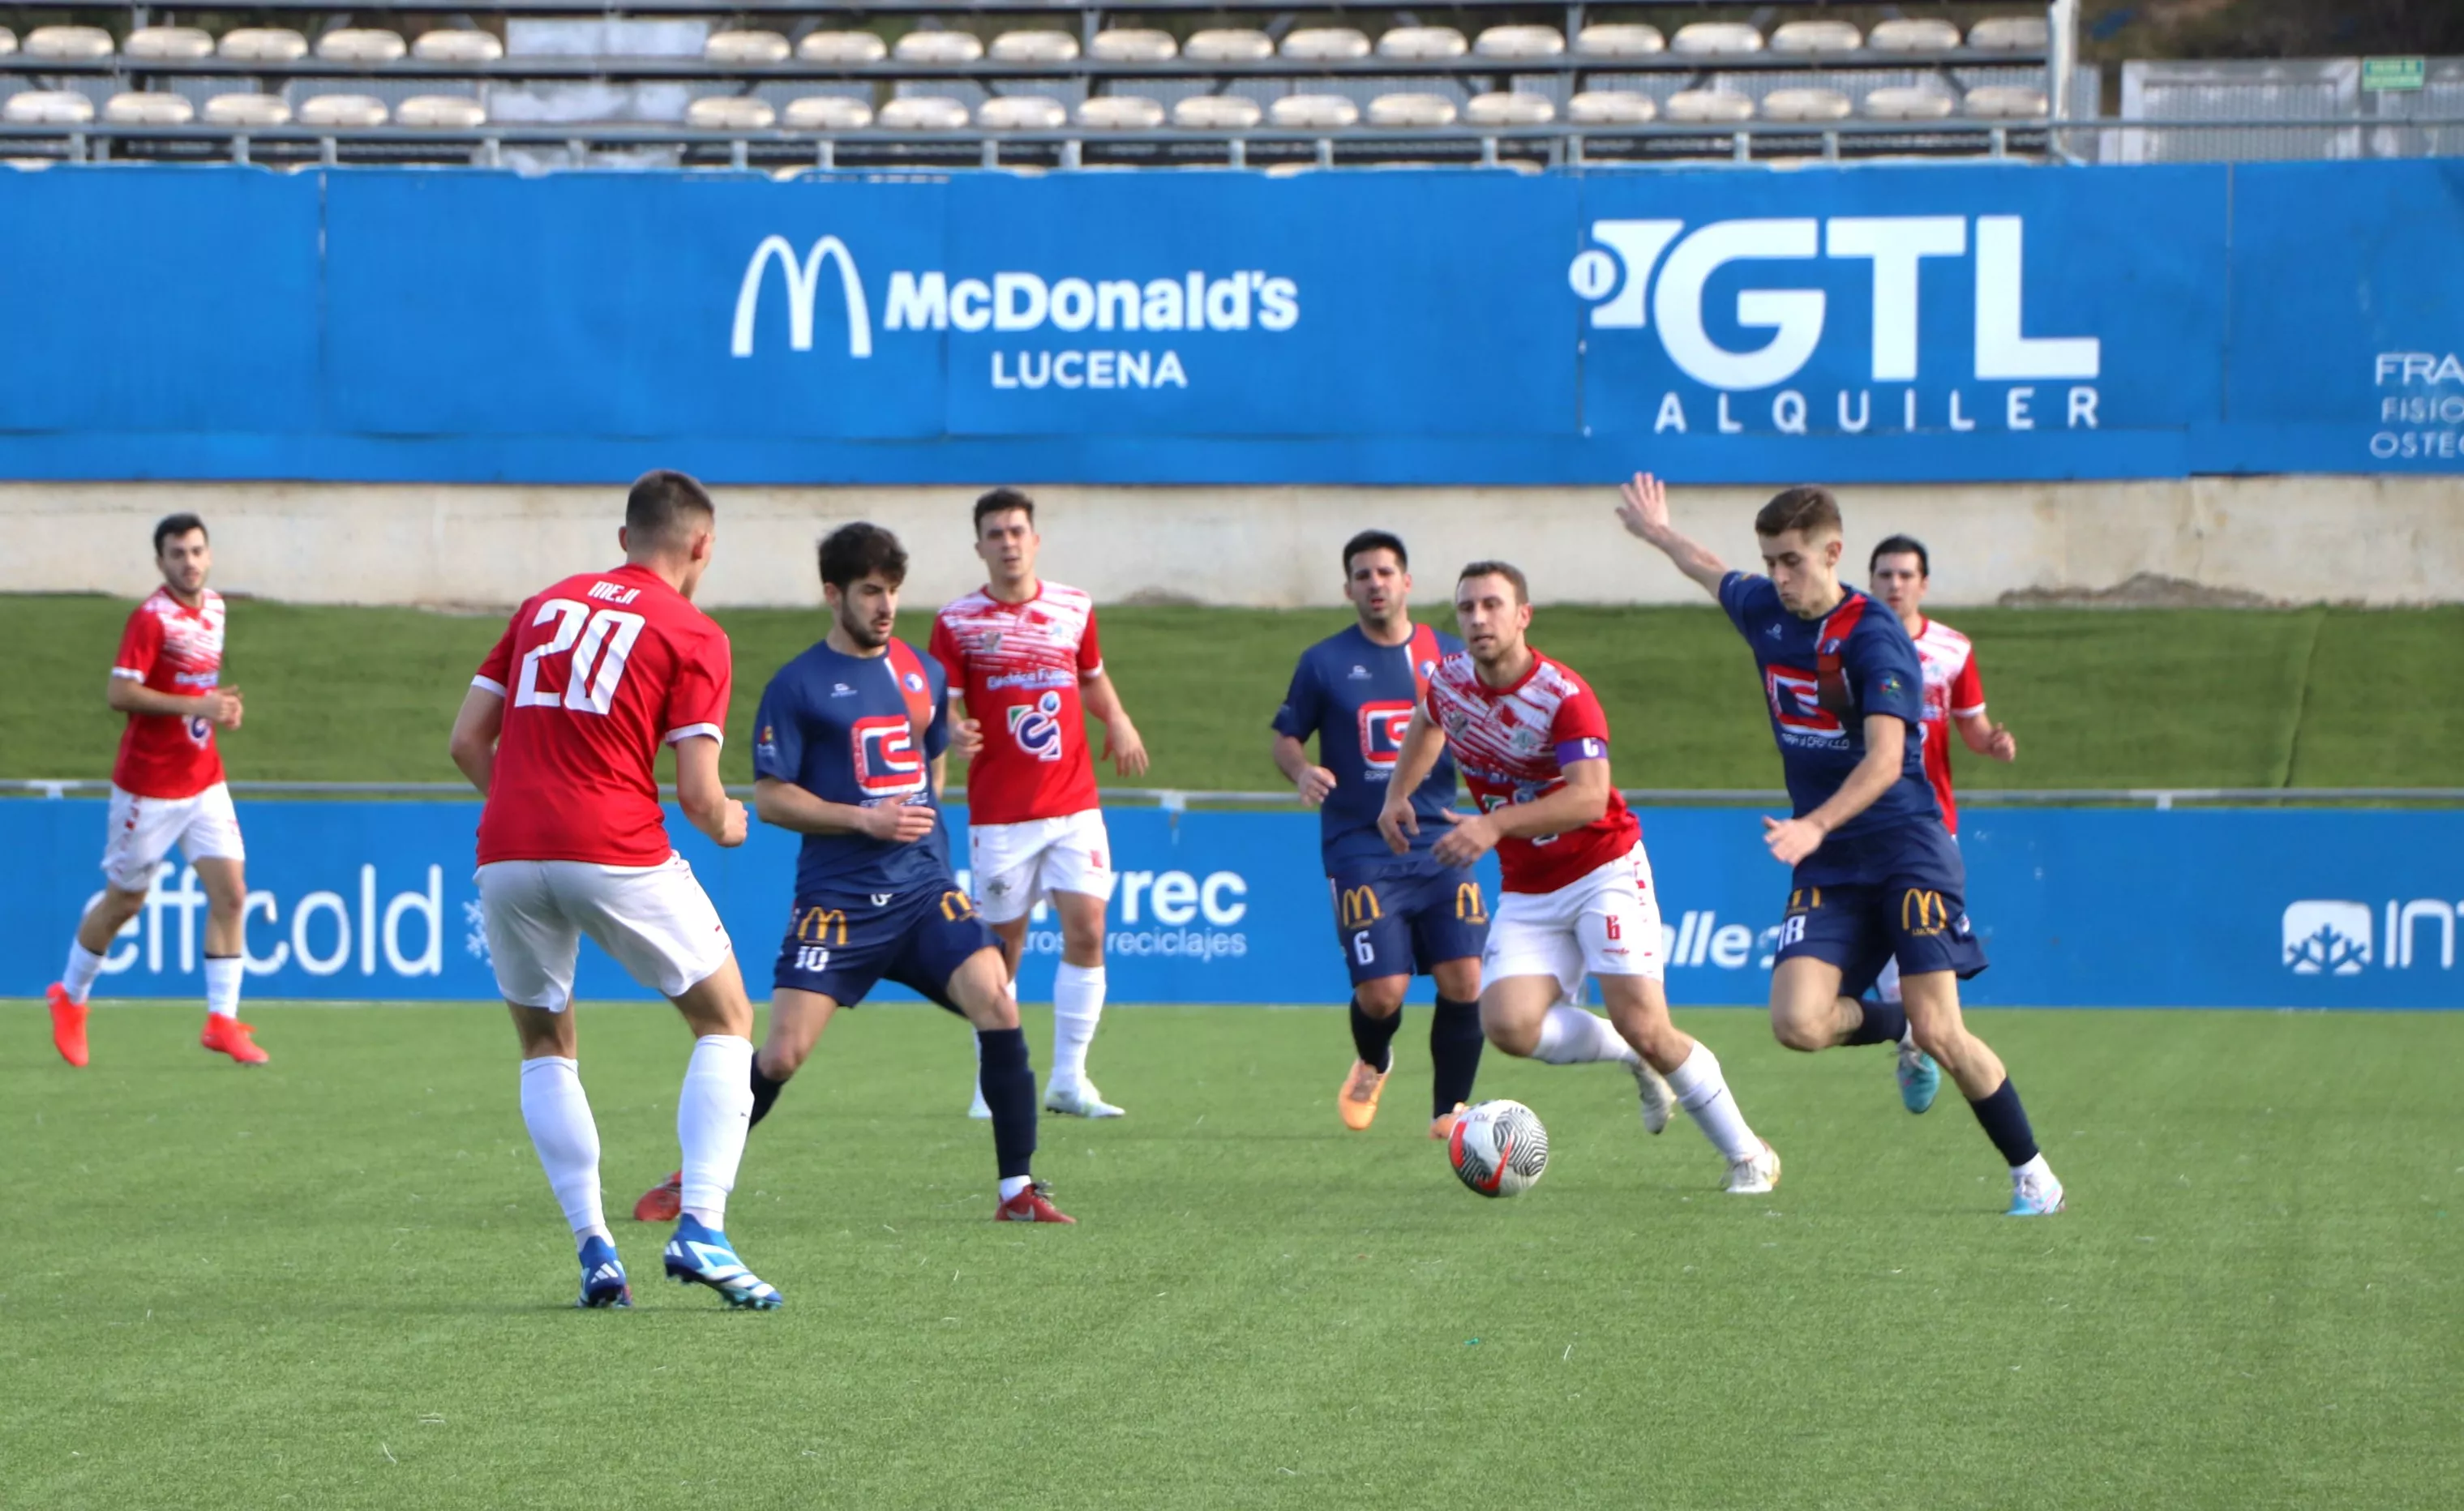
column 2297, row 539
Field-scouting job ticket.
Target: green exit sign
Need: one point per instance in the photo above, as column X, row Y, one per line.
column 2391, row 73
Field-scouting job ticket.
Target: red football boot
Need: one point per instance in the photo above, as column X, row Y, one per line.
column 68, row 1025
column 1034, row 1204
column 663, row 1202
column 229, row 1036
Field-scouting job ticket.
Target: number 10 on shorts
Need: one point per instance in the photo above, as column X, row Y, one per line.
column 812, row 959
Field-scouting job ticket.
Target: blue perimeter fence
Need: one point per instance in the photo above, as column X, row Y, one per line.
column 1859, row 323
column 357, row 900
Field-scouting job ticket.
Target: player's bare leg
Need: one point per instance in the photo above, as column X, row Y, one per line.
column 1530, row 1018
column 1808, row 1014
column 226, row 885
column 1932, row 1000
column 1639, row 1007
column 101, row 924
column 980, row 989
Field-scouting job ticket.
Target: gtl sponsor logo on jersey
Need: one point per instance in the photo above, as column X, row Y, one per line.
column 1020, row 303
column 2325, row 936
column 2050, row 380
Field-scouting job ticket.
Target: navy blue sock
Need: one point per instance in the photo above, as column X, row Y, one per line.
column 1885, row 1023
column 1009, row 1091
column 765, row 1091
column 1455, row 1041
column 2006, row 1124
column 1372, row 1038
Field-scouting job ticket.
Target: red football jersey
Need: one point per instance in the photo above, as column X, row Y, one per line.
column 1953, row 690
column 597, row 673
column 1513, row 745
column 170, row 647
column 1020, row 667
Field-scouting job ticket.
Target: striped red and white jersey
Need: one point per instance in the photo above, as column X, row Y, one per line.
column 1513, row 745
column 1953, row 690
column 1020, row 667
column 170, row 647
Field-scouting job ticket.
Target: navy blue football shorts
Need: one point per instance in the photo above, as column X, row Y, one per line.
column 1901, row 894
column 1406, row 916
column 841, row 945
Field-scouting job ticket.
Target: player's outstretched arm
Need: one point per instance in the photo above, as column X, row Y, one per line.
column 1645, row 513
column 476, row 727
column 703, row 795
column 1886, row 738
column 1310, row 779
column 1423, row 741
column 1123, row 745
column 784, row 805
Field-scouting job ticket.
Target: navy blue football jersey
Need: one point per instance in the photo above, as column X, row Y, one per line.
column 1357, row 697
column 837, row 726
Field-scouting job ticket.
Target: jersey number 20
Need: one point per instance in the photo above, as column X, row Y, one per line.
column 600, row 640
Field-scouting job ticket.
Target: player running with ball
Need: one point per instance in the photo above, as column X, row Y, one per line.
column 1876, row 877
column 1533, row 744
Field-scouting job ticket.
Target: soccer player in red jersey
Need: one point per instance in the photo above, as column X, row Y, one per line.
column 166, row 789
column 1022, row 658
column 1532, row 743
column 1901, row 570
column 560, row 731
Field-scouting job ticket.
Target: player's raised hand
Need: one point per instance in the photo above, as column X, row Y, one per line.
column 2002, row 744
column 1399, row 824
column 1645, row 513
column 1314, row 784
column 1791, row 840
column 1124, row 748
column 967, row 737
column 222, row 707
column 734, row 825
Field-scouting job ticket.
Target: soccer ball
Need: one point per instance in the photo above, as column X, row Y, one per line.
column 1499, row 1148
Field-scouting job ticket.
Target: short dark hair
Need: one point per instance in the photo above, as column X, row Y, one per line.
column 1804, row 508
column 664, row 505
column 860, row 550
column 1374, row 540
column 1902, row 546
column 170, row 526
column 1001, row 501
column 1505, row 569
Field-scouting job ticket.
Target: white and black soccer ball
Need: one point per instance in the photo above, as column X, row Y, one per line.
column 1499, row 1148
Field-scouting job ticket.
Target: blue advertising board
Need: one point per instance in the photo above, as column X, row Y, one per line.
column 2089, row 907
column 1860, row 323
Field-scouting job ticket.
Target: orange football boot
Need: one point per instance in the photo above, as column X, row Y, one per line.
column 1442, row 1126
column 68, row 1025
column 229, row 1036
column 1358, row 1100
column 663, row 1202
column 1034, row 1204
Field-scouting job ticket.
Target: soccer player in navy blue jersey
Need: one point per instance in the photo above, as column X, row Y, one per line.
column 1874, row 875
column 1395, row 917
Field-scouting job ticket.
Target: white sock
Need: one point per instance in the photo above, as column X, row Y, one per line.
column 83, row 966
column 2036, row 1167
column 1012, row 1185
column 1077, row 1007
column 714, row 1112
column 1704, row 1093
column 1575, row 1036
column 557, row 1114
column 223, row 973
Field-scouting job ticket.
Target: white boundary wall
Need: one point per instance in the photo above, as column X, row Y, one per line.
column 2355, row 540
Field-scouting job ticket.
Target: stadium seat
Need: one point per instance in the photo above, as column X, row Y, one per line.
column 343, row 110
column 456, row 45
column 1227, row 45
column 1311, row 112
column 1805, row 105
column 1927, row 34
column 842, row 46
column 1325, row 43
column 8, row 41
column 49, row 107
column 168, row 41
column 1709, row 106
column 247, row 110
column 1610, row 107
column 1619, row 39
column 452, row 112
column 730, row 113
column 1422, row 41
column 745, row 48
column 1120, row 113
column 68, row 42
column 1412, row 110
column 1716, row 39
column 937, row 47
column 149, row 109
column 1035, row 47
column 1815, row 39
column 263, row 44
column 2010, row 34
column 828, row 113
column 1900, row 103
column 1215, row 112
column 924, row 113
column 1021, row 113
column 1506, row 109
column 355, row 44
column 1133, row 44
column 1520, row 41
column 2004, row 103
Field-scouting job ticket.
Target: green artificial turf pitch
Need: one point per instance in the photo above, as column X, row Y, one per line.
column 340, row 1280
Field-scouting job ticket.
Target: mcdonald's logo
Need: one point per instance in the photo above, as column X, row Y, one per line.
column 1923, row 913
column 814, row 926
column 1468, row 906
column 803, row 280
column 956, row 905
column 1798, row 899
column 1357, row 907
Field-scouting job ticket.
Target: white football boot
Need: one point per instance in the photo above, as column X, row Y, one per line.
column 1756, row 1174
column 1658, row 1102
column 1081, row 1101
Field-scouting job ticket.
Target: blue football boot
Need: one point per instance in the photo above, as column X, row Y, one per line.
column 699, row 1256
column 1920, row 1078
column 2035, row 1196
column 602, row 1276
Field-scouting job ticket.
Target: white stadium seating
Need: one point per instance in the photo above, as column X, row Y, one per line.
column 1215, row 112
column 938, row 47
column 448, row 112
column 1815, row 39
column 1923, row 35
column 1709, row 106
column 1619, row 39
column 169, row 41
column 754, row 48
column 444, row 46
column 1325, row 43
column 1227, row 45
column 1134, row 45
column 1315, row 112
column 1410, row 110
column 263, row 44
column 1610, row 107
column 1422, row 41
column 343, row 110
column 247, row 110
column 1510, row 110
column 2008, row 33
column 1120, row 113
column 1716, row 39
column 149, row 109
column 68, row 42
column 731, row 113
column 842, row 46
column 924, row 113
column 1907, row 103
column 361, row 45
column 8, row 41
column 1520, row 41
column 49, row 107
column 1806, row 104
column 1021, row 113
column 2004, row 103
column 827, row 113
column 1035, row 47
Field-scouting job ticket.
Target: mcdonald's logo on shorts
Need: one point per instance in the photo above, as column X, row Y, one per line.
column 813, row 925
column 1804, row 899
column 1468, row 906
column 956, row 905
column 1356, row 908
column 1923, row 913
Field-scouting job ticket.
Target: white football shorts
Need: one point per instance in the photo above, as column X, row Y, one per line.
column 144, row 829
column 1018, row 865
column 654, row 921
column 1603, row 922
